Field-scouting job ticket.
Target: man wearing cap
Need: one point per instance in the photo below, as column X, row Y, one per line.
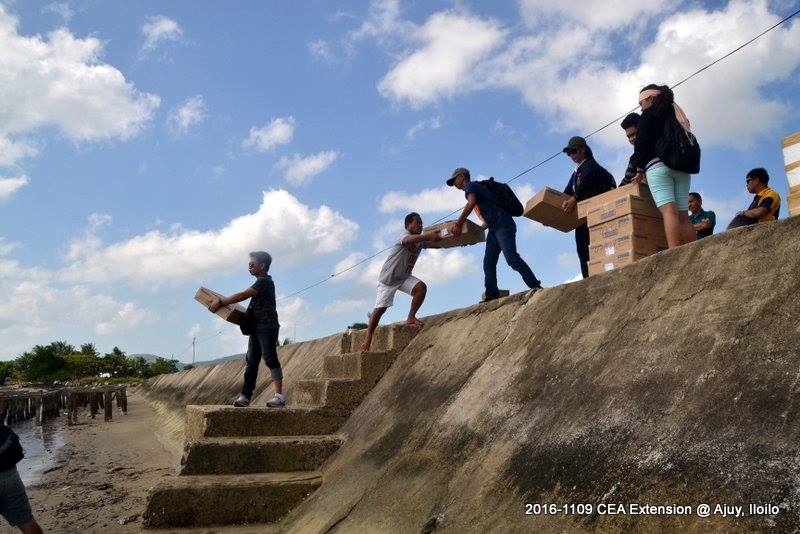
column 588, row 180
column 501, row 234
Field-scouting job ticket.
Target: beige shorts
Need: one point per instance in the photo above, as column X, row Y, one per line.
column 386, row 293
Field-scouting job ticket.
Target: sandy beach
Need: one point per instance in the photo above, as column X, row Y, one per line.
column 102, row 473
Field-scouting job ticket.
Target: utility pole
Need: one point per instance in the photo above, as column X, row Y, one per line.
column 194, row 342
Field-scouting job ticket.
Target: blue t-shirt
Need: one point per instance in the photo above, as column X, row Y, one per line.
column 491, row 213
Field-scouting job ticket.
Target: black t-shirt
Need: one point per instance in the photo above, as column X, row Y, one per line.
column 589, row 180
column 263, row 303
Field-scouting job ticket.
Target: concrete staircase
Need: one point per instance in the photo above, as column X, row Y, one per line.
column 253, row 465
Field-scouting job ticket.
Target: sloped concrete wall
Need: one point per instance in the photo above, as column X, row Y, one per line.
column 221, row 383
column 672, row 381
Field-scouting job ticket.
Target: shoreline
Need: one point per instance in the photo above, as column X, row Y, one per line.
column 101, row 474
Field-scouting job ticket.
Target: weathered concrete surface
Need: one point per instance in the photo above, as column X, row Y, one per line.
column 260, row 498
column 672, row 381
column 268, row 454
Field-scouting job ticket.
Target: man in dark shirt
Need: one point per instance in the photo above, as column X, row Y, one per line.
column 502, row 234
column 702, row 221
column 263, row 341
column 631, row 125
column 588, row 180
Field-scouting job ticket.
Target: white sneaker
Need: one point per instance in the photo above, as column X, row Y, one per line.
column 241, row 402
column 277, row 401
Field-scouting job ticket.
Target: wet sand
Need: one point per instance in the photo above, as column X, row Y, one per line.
column 101, row 475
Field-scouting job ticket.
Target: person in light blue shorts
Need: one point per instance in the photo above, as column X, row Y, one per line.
column 669, row 187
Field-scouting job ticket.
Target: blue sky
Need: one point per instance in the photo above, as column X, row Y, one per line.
column 146, row 147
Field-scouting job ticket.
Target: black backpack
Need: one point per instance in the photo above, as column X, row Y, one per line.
column 504, row 197
column 677, row 148
column 10, row 449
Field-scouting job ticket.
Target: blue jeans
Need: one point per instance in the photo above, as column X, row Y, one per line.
column 261, row 345
column 503, row 237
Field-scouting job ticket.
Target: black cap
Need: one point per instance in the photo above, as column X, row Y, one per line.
column 574, row 144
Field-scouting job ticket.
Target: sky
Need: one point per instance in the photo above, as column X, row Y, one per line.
column 147, row 147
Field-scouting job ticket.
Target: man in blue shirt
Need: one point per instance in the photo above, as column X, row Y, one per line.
column 501, row 236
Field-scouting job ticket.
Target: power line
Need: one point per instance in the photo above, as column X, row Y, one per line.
column 557, row 154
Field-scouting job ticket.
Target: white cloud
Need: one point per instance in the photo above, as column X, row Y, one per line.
column 453, row 44
column 383, row 23
column 293, row 311
column 300, row 170
column 435, row 200
column 9, row 186
column 569, row 67
column 6, row 247
column 567, row 259
column 193, row 332
column 49, row 306
column 191, row 112
column 320, row 49
column 290, row 230
column 62, row 9
column 596, row 14
column 433, row 123
column 279, row 131
column 60, row 81
column 126, row 318
column 337, row 307
column 348, row 263
column 158, row 30
column 576, row 278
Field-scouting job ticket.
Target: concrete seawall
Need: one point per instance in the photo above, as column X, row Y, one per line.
column 669, row 382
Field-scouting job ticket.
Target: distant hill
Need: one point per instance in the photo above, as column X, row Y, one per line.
column 150, row 358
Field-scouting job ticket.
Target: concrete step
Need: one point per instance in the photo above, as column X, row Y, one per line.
column 227, row 421
column 337, row 393
column 206, row 500
column 358, row 365
column 229, row 456
column 389, row 337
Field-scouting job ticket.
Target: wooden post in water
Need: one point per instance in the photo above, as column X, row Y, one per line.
column 107, row 405
column 93, row 401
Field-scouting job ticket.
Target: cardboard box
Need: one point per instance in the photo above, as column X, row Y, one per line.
column 472, row 234
column 649, row 227
column 615, row 262
column 637, row 190
column 601, row 213
column 545, row 208
column 627, row 242
column 793, row 202
column 232, row 313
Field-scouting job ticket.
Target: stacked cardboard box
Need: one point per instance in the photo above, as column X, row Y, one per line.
column 624, row 226
column 791, row 157
column 471, row 234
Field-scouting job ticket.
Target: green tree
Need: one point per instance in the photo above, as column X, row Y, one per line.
column 115, row 363
column 138, row 367
column 163, row 366
column 44, row 362
column 90, row 350
column 80, row 364
column 6, row 370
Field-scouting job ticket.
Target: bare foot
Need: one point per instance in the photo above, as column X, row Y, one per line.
column 415, row 322
column 365, row 346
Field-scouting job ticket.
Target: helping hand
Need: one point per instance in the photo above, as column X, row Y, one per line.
column 455, row 229
column 215, row 306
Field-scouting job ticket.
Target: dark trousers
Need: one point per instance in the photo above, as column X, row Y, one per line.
column 261, row 345
column 582, row 245
column 741, row 220
column 503, row 238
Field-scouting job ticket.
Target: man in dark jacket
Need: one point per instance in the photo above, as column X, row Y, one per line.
column 588, row 180
column 631, row 126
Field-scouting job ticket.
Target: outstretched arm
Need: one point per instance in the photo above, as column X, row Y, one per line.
column 424, row 237
column 233, row 299
column 471, row 202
